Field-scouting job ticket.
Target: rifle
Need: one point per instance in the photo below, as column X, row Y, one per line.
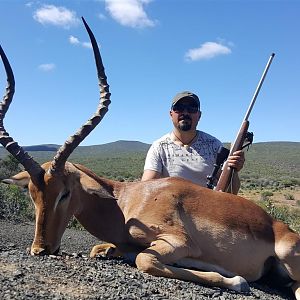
column 243, row 136
column 222, row 155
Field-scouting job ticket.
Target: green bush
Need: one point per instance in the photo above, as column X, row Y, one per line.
column 289, row 182
column 15, row 204
column 289, row 196
column 74, row 223
column 285, row 214
column 8, row 166
column 265, row 195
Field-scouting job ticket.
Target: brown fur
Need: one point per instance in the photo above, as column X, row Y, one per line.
column 216, row 238
column 165, row 222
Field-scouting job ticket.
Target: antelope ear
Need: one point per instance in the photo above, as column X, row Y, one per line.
column 21, row 179
column 91, row 186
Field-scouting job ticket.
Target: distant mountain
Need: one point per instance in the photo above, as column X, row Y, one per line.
column 268, row 150
column 264, row 161
column 47, row 151
column 277, row 154
column 118, row 146
column 48, row 147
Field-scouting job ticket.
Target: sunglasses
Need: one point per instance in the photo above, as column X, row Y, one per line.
column 180, row 108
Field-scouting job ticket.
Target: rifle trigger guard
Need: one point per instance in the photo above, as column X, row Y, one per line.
column 248, row 140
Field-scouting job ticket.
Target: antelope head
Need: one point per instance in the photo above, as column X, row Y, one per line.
column 50, row 185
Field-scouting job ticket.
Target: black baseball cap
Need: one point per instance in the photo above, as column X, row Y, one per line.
column 186, row 94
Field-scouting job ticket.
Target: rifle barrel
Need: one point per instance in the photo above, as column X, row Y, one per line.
column 259, row 86
column 227, row 172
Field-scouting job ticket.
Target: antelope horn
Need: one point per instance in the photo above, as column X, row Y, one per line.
column 30, row 165
column 73, row 141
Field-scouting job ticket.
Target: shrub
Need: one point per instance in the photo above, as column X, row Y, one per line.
column 15, row 204
column 9, row 166
column 285, row 214
column 74, row 223
column 290, row 182
column 289, row 196
column 265, row 195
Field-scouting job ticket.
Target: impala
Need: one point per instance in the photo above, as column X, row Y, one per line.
column 172, row 227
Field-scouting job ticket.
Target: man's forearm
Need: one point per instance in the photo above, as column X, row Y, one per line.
column 235, row 183
column 150, row 174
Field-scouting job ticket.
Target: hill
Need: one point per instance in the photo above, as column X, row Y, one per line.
column 272, row 162
column 266, row 163
column 47, row 151
column 122, row 160
column 48, row 147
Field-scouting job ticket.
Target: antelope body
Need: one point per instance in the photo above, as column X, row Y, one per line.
column 171, row 226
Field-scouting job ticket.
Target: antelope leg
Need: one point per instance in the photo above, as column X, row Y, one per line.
column 107, row 249
column 156, row 260
column 296, row 289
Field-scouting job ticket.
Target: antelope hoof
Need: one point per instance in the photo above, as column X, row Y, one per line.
column 296, row 290
column 240, row 285
column 38, row 251
column 105, row 250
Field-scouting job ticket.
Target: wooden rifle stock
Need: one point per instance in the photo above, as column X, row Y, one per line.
column 227, row 172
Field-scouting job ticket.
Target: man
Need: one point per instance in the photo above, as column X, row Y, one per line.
column 187, row 152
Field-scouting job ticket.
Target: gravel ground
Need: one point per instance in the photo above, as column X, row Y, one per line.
column 73, row 275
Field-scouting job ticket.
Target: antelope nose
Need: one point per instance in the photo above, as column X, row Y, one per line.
column 38, row 251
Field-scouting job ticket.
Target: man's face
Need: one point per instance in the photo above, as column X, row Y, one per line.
column 185, row 114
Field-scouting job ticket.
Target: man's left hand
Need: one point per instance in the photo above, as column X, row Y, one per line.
column 236, row 160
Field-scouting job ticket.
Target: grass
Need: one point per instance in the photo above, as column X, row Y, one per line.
column 289, row 196
column 288, row 215
column 270, row 169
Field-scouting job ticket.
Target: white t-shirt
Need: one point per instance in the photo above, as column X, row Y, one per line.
column 194, row 163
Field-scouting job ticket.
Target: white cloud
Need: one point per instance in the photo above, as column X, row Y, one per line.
column 56, row 15
column 75, row 41
column 101, row 16
column 46, row 67
column 29, row 4
column 87, row 45
column 129, row 13
column 206, row 51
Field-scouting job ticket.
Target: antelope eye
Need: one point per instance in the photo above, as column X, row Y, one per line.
column 65, row 195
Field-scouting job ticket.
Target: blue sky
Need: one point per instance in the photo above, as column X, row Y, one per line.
column 151, row 50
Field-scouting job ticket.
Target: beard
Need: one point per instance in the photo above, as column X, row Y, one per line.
column 185, row 123
column 185, row 126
